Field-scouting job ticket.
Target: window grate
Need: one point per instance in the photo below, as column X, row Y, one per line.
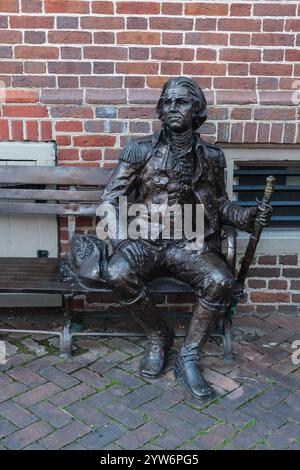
column 250, row 180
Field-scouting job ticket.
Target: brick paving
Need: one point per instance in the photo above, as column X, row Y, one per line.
column 96, row 399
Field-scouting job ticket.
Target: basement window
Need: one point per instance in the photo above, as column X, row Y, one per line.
column 247, row 170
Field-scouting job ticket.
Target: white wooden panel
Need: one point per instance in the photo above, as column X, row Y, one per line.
column 23, row 235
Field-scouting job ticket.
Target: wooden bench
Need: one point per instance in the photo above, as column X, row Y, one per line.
column 70, row 192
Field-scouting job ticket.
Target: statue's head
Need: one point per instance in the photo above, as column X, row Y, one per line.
column 182, row 104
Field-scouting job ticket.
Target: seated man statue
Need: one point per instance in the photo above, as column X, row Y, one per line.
column 175, row 166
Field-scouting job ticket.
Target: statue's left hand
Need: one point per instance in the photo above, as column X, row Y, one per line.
column 260, row 214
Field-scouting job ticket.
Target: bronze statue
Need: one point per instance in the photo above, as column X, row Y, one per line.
column 175, row 166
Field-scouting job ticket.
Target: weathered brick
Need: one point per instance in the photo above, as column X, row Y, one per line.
column 182, row 54
column 104, row 8
column 62, row 96
column 88, row 22
column 99, row 52
column 164, row 23
column 274, row 9
column 69, row 37
column 103, row 96
column 277, row 284
column 9, row 7
column 31, row 6
column 206, row 9
column 36, row 52
column 25, row 111
column 32, row 22
column 270, row 297
column 132, row 37
column 66, row 6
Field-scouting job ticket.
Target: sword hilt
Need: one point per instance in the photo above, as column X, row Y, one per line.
column 268, row 190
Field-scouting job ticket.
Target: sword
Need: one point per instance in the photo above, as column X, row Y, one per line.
column 255, row 236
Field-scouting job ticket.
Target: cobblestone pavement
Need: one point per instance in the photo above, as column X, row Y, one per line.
column 96, row 400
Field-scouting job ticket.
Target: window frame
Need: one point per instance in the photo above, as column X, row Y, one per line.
column 272, row 237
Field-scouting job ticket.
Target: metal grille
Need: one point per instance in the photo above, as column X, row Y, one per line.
column 250, row 178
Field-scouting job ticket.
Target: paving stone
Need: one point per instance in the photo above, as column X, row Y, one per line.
column 26, row 436
column 65, row 435
column 91, row 378
column 5, row 380
column 125, row 379
column 71, row 395
column 271, row 420
column 12, row 390
column 160, row 416
column 34, row 347
column 174, row 437
column 294, row 400
column 97, row 347
column 98, row 400
column 16, row 414
column 51, row 414
column 34, row 446
column 284, row 437
column 126, row 346
column 78, row 362
column 273, row 396
column 58, row 377
column 124, row 415
column 249, row 437
column 88, row 414
column 38, row 394
column 26, row 376
column 108, row 362
column 6, row 428
column 103, row 436
column 170, row 397
column 234, row 418
column 286, row 410
column 140, row 436
column 43, row 362
column 140, row 396
column 214, row 437
column 192, row 416
column 220, row 380
column 74, row 446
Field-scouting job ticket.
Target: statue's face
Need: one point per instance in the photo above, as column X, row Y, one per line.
column 177, row 109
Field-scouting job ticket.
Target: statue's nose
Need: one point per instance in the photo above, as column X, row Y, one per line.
column 173, row 105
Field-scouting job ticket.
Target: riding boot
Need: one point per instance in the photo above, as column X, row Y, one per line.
column 186, row 368
column 160, row 336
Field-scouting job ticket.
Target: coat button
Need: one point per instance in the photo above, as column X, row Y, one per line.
column 156, row 179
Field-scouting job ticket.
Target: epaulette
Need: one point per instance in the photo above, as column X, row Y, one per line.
column 131, row 153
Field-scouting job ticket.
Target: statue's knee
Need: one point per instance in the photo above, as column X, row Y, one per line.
column 118, row 272
column 219, row 287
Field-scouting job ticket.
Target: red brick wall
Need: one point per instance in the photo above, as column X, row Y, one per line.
column 88, row 73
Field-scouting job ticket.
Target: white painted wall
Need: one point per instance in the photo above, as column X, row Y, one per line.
column 23, row 235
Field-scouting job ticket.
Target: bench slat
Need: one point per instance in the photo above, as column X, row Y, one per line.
column 42, row 275
column 50, row 194
column 17, row 174
column 50, row 209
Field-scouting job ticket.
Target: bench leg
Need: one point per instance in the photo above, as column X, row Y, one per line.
column 66, row 335
column 227, row 340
